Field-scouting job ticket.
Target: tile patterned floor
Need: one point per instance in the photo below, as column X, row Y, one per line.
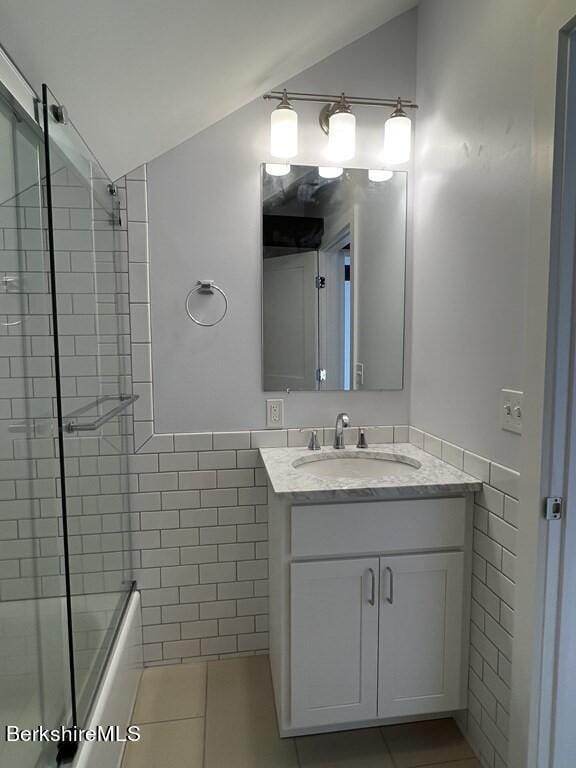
column 221, row 715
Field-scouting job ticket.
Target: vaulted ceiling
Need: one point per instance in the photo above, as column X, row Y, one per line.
column 140, row 76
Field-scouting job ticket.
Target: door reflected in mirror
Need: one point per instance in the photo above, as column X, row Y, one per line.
column 333, row 280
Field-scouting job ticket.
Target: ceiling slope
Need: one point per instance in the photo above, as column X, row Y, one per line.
column 139, row 77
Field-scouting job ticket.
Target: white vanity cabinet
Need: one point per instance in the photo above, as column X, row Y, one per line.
column 420, row 634
column 369, row 609
column 334, row 641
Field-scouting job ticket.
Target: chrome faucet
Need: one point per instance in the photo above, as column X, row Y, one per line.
column 342, row 421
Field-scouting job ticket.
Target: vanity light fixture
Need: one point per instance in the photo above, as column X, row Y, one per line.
column 375, row 174
column 277, row 169
column 330, row 171
column 397, row 136
column 341, row 131
column 339, row 124
column 284, row 130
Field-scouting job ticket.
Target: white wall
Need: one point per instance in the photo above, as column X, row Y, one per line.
column 486, row 83
column 167, row 70
column 471, row 218
column 204, row 212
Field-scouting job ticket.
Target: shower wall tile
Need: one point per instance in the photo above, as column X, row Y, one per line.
column 141, row 363
column 139, row 289
column 138, row 241
column 213, row 529
column 137, row 202
column 140, row 316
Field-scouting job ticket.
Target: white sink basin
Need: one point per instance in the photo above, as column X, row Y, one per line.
column 360, row 465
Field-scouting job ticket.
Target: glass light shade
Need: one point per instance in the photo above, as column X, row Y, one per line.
column 397, row 139
column 277, row 169
column 375, row 174
column 330, row 171
column 341, row 136
column 284, row 132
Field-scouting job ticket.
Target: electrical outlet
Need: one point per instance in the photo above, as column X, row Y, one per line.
column 511, row 410
column 275, row 413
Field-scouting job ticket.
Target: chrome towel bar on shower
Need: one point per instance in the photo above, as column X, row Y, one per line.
column 72, row 426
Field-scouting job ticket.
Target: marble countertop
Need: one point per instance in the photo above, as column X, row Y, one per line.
column 433, row 477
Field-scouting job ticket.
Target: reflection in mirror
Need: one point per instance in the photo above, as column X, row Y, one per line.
column 334, row 257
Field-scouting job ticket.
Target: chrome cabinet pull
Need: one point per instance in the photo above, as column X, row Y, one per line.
column 390, row 598
column 372, row 598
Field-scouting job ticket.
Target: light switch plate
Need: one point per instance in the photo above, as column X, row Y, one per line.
column 511, row 410
column 275, row 413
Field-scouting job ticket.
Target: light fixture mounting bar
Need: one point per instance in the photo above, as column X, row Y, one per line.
column 324, row 98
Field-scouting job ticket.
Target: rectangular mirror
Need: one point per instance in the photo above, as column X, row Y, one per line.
column 333, row 284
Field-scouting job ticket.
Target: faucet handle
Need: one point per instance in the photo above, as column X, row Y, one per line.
column 314, row 443
column 362, row 442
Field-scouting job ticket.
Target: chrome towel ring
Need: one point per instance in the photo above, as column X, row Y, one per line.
column 206, row 287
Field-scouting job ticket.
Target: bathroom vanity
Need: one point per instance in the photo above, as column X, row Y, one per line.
column 369, row 585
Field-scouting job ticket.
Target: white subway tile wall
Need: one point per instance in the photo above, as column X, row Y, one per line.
column 496, row 521
column 203, row 545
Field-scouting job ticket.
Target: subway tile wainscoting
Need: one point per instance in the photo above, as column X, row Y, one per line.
column 496, row 521
column 200, row 512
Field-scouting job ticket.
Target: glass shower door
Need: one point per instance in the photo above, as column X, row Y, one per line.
column 34, row 672
column 88, row 239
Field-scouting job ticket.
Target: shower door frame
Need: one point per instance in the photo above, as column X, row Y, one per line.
column 26, row 106
column 64, row 142
column 35, row 112
column 16, row 88
column 67, row 750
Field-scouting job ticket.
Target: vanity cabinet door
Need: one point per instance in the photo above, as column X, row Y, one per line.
column 334, row 641
column 420, row 653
